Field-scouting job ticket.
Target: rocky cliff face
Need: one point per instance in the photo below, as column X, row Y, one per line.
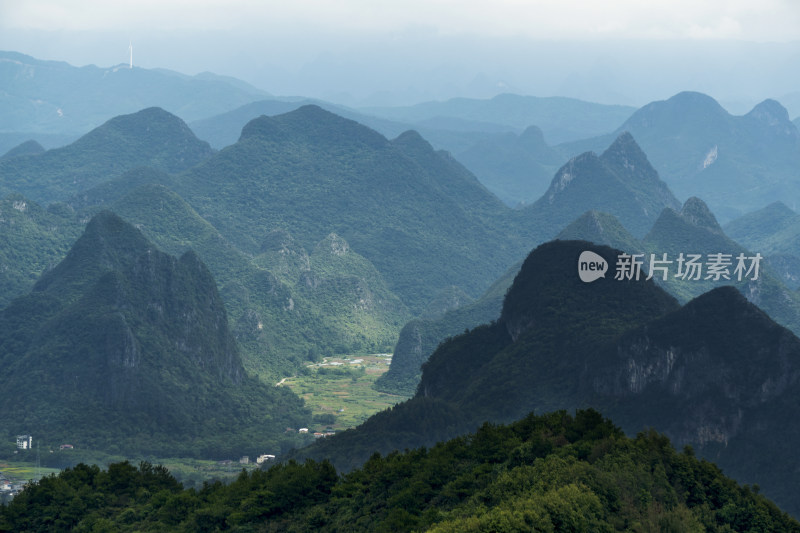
column 713, row 362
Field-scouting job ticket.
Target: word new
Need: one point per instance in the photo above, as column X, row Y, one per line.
column 591, row 266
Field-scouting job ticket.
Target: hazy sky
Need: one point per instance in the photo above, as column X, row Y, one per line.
column 369, row 50
column 764, row 20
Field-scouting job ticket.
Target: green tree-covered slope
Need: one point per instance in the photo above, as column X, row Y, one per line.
column 151, row 137
column 417, row 215
column 124, row 347
column 32, row 240
column 555, row 472
column 281, row 311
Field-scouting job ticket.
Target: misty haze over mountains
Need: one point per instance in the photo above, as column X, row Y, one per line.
column 368, row 239
column 361, row 69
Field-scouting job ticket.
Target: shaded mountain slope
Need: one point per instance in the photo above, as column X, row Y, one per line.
column 419, row 337
column 122, row 345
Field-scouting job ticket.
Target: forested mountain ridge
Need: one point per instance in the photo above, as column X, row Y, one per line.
column 150, row 137
column 417, row 215
column 123, row 345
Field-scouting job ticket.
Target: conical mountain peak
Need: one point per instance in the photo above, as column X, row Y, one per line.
column 27, row 148
column 310, row 123
column 107, row 243
column 152, row 124
column 412, row 140
column 697, row 212
column 536, row 298
column 600, row 228
column 626, row 152
column 532, row 135
column 770, row 112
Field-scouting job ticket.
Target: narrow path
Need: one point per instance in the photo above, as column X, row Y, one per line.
column 278, row 384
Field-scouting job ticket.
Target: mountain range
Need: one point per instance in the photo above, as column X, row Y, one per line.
column 717, row 374
column 53, row 97
column 561, row 119
column 312, row 173
column 735, row 163
column 150, row 137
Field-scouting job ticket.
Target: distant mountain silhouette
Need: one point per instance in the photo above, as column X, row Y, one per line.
column 74, row 100
column 621, row 182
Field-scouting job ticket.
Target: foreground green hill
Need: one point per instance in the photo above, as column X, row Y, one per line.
column 124, row 347
column 555, row 472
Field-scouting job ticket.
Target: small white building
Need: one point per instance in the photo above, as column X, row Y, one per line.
column 266, row 457
column 302, row 430
column 24, row 442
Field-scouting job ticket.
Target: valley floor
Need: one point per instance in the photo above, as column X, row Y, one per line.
column 339, row 392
